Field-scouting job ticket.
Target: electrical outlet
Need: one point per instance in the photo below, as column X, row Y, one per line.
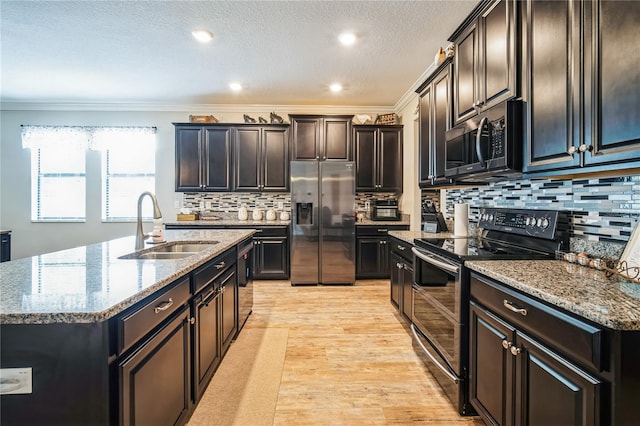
column 280, row 205
column 367, row 205
column 16, row 381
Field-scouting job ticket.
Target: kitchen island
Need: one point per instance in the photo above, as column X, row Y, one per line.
column 96, row 335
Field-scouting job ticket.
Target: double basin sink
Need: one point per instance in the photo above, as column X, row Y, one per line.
column 173, row 250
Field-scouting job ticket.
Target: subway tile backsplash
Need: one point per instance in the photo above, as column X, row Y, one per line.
column 230, row 202
column 601, row 209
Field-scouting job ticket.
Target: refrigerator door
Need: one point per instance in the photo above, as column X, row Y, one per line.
column 337, row 223
column 305, row 248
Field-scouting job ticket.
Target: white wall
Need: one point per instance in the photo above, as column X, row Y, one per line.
column 29, row 239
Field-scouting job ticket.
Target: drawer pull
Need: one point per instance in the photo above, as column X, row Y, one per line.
column 382, row 229
column 220, row 265
column 512, row 308
column 163, row 306
column 401, row 248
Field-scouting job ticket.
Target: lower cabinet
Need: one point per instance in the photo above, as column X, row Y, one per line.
column 518, row 379
column 372, row 250
column 401, row 276
column 155, row 379
column 271, row 253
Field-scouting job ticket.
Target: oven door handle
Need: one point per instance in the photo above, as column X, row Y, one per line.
column 442, row 368
column 439, row 263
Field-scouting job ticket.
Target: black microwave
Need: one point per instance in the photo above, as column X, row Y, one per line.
column 488, row 146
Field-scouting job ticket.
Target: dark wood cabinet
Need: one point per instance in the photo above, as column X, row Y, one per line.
column 378, row 156
column 372, row 250
column 228, row 310
column 321, row 138
column 486, row 67
column 531, row 364
column 261, row 158
column 581, row 86
column 435, row 120
column 271, row 253
column 203, row 158
column 207, row 352
column 401, row 276
column 155, row 379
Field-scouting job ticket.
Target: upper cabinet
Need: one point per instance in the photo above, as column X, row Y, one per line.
column 378, row 156
column 435, row 119
column 321, row 138
column 262, row 158
column 203, row 158
column 485, row 66
column 582, row 85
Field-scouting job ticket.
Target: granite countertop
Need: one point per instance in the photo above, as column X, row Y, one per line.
column 91, row 284
column 587, row 292
column 230, row 222
column 409, row 236
column 370, row 222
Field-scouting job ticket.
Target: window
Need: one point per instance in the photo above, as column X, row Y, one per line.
column 57, row 173
column 128, row 169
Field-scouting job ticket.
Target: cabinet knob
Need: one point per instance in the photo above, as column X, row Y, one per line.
column 585, row 148
column 401, row 248
column 431, row 177
column 192, row 320
column 515, row 350
column 506, row 344
column 572, row 150
column 399, row 266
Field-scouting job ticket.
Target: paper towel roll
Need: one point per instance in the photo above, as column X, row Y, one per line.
column 461, row 220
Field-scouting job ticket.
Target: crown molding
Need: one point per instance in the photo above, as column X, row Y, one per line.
column 410, row 95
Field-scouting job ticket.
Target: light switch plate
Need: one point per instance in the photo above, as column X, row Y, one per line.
column 16, row 381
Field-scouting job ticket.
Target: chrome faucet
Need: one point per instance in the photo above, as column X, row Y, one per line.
column 140, row 235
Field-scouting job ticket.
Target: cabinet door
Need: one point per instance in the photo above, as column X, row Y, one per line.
column 365, row 153
column 491, row 367
column 497, row 54
column 441, row 123
column 426, row 138
column 389, row 164
column 271, row 259
column 372, row 257
column 155, row 379
column 247, row 159
column 306, row 138
column 228, row 310
column 188, row 158
column 217, row 159
column 553, row 79
column 407, row 290
column 552, row 391
column 275, row 163
column 613, row 78
column 464, row 82
column 395, row 276
column 207, row 353
column 337, row 139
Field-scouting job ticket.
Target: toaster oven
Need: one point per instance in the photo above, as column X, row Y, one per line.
column 385, row 209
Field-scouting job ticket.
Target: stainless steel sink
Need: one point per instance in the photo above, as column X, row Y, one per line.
column 175, row 250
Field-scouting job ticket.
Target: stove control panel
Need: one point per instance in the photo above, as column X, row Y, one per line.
column 535, row 223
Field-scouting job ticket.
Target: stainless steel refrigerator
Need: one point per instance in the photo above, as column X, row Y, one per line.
column 322, row 222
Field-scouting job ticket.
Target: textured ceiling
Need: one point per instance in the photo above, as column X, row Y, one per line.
column 283, row 52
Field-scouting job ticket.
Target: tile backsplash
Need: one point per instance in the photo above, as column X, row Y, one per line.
column 230, row 202
column 600, row 209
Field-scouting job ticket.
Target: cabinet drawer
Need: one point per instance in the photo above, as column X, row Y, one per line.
column 577, row 339
column 140, row 321
column 271, row 231
column 402, row 249
column 212, row 269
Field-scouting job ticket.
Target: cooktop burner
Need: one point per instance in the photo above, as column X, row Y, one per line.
column 506, row 234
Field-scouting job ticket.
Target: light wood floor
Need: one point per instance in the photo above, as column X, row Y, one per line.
column 349, row 358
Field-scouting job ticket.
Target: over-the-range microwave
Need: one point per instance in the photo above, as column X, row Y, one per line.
column 488, row 146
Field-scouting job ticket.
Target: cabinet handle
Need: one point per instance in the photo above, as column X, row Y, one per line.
column 585, row 148
column 431, row 177
column 223, row 288
column 163, row 306
column 220, row 265
column 399, row 266
column 515, row 350
column 382, row 229
column 572, row 150
column 192, row 320
column 506, row 344
column 401, row 248
column 512, row 308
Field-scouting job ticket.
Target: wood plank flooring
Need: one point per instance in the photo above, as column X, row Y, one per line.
column 349, row 358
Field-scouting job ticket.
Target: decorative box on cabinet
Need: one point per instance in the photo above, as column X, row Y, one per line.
column 435, row 119
column 321, row 138
column 581, row 118
column 378, row 153
column 485, row 69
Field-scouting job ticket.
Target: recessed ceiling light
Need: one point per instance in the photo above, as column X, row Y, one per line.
column 236, row 87
column 347, row 39
column 336, row 87
column 202, row 36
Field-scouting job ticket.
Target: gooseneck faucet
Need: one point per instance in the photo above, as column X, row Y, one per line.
column 140, row 235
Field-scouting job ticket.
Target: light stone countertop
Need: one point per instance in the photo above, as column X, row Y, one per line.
column 90, row 284
column 409, row 236
column 229, row 222
column 369, row 222
column 587, row 292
